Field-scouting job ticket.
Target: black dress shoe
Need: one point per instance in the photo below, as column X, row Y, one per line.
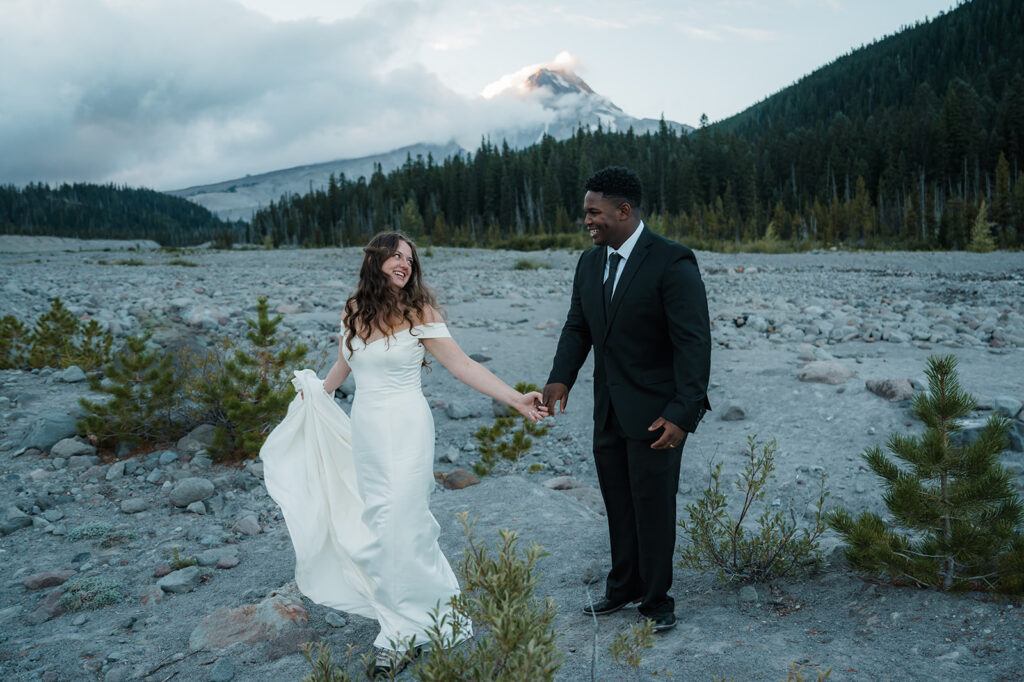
column 665, row 621
column 605, row 606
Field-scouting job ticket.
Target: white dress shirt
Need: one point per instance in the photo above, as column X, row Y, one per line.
column 623, row 251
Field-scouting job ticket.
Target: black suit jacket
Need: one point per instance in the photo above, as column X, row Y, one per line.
column 652, row 348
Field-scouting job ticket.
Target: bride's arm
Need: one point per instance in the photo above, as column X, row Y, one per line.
column 476, row 376
column 339, row 371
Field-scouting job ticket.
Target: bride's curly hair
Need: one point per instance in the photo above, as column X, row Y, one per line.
column 377, row 304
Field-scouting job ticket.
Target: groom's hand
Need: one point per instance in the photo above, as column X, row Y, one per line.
column 671, row 437
column 555, row 393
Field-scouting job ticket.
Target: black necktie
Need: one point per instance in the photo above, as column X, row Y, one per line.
column 609, row 284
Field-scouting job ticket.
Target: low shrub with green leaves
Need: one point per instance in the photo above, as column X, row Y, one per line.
column 776, row 548
column 628, row 647
column 89, row 531
column 515, row 638
column 529, row 264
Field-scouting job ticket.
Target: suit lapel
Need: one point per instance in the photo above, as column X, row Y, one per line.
column 632, row 266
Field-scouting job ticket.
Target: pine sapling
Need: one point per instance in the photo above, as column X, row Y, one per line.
column 143, row 398
column 953, row 498
column 13, row 342
column 52, row 338
column 254, row 388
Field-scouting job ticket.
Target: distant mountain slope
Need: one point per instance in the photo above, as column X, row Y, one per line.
column 87, row 211
column 570, row 100
column 237, row 199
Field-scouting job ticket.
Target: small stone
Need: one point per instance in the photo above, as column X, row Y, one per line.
column 501, row 409
column 336, row 620
column 227, row 562
column 210, row 557
column 115, row 471
column 459, row 479
column 197, row 507
column 247, row 525
column 48, row 608
column 80, row 619
column 53, row 515
column 197, row 439
column 1006, row 406
column 162, row 570
column 134, row 505
column 733, row 412
column 180, row 581
column 450, row 455
column 117, row 673
column 593, row 572
column 151, row 594
column 168, row 457
column 72, row 375
column 893, row 390
column 825, row 371
column 747, row 594
column 457, row 411
column 560, row 483
column 480, row 357
column 222, row 671
column 70, row 447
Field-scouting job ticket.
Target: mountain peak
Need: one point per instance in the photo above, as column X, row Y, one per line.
column 558, row 81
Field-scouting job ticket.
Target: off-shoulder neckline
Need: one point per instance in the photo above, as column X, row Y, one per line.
column 398, row 331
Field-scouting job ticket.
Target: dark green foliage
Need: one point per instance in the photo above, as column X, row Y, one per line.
column 91, row 593
column 776, row 549
column 88, row 211
column 895, row 143
column 318, row 655
column 496, row 446
column 178, row 562
column 90, row 531
column 253, row 391
column 52, row 337
column 57, row 339
column 515, row 638
column 955, row 499
column 143, row 402
column 13, row 343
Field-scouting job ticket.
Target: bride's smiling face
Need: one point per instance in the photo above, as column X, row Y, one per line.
column 398, row 266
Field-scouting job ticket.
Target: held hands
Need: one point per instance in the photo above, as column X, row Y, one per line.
column 671, row 437
column 529, row 405
column 555, row 393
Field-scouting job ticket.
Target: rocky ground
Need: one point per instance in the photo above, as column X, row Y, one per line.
column 820, row 351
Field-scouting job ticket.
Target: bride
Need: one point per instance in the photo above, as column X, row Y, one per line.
column 355, row 495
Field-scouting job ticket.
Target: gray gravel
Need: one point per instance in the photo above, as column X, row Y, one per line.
column 875, row 315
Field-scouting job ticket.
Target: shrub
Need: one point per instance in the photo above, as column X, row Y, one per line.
column 529, row 264
column 91, row 593
column 89, row 531
column 627, row 649
column 51, row 339
column 143, row 403
column 955, row 499
column 516, row 637
column 13, row 343
column 318, row 655
column 178, row 562
column 723, row 544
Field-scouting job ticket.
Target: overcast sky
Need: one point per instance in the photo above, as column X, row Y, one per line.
column 171, row 93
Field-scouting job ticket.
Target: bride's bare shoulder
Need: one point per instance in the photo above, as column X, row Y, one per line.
column 430, row 315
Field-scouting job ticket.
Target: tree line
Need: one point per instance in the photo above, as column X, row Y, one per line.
column 895, row 144
column 91, row 211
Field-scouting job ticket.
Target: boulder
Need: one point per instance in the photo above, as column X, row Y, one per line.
column 247, row 525
column 560, row 483
column 134, row 505
column 733, row 412
column 72, row 375
column 191, row 490
column 267, row 620
column 1006, row 406
column 38, row 581
column 49, row 429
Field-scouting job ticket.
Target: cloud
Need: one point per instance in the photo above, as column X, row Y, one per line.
column 169, row 93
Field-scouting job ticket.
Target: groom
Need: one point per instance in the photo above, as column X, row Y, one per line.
column 638, row 300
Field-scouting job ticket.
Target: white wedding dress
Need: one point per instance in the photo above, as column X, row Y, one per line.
column 355, row 495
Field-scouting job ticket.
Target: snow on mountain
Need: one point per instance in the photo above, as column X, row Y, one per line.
column 565, row 98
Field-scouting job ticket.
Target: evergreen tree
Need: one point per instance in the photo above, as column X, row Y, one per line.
column 13, row 336
column 143, row 397
column 51, row 341
column 253, row 392
column 953, row 497
column 981, row 233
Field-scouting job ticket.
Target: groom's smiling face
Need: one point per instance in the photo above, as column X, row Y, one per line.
column 608, row 219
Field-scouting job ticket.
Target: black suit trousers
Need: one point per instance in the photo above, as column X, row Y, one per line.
column 639, row 488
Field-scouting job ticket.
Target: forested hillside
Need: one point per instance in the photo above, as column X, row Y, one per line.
column 899, row 143
column 88, row 211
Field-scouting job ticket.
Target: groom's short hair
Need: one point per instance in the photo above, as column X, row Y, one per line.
column 617, row 183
